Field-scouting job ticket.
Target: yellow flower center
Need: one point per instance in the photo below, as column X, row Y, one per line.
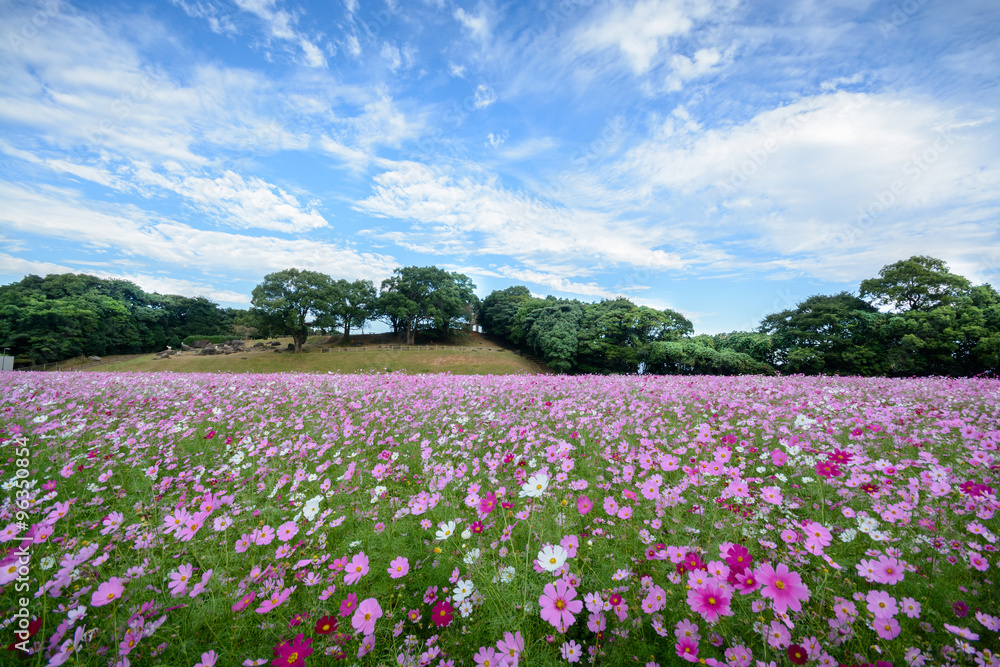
column 780, row 585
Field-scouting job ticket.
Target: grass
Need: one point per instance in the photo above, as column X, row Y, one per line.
column 472, row 356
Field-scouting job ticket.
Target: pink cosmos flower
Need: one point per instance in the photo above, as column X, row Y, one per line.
column 558, row 604
column 487, row 503
column 888, row 571
column 357, row 568
column 610, row 506
column 486, row 656
column 978, row 562
column 197, row 589
column 778, row 635
column 510, row 647
column 784, row 588
column 244, row 602
column 584, row 505
column 109, row 591
column 778, row 457
column 772, row 495
column 179, row 579
column 710, row 601
column 571, row 651
column 208, row 659
column 399, row 567
column 738, row 556
column 887, row 628
column 349, row 604
column 287, row 530
column 365, row 616
column 686, row 646
column 881, row 604
column 685, row 628
column 964, row 633
column 911, row 608
column 128, row 642
column 276, row 599
column 243, row 543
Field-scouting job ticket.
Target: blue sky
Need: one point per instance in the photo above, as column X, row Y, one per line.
column 725, row 159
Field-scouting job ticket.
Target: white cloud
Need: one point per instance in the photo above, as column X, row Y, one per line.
column 248, row 203
column 280, row 25
column 496, row 140
column 351, row 6
column 218, row 21
column 484, row 96
column 462, row 214
column 820, row 181
column 129, row 232
column 457, row 71
column 390, row 53
column 640, row 30
column 478, row 25
column 684, row 69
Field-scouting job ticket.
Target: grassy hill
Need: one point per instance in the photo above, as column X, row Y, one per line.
column 472, row 355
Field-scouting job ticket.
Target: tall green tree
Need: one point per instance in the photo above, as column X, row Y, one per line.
column 917, row 283
column 554, row 334
column 499, row 309
column 820, row 334
column 416, row 297
column 358, row 304
column 287, row 299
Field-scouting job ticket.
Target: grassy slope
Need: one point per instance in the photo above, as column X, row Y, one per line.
column 476, row 357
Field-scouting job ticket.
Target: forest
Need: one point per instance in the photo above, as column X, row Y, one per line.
column 915, row 318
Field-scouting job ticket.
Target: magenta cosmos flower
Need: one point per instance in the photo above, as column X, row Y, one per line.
column 442, row 613
column 558, row 604
column 365, row 616
column 784, row 588
column 109, row 591
column 293, row 653
column 584, row 504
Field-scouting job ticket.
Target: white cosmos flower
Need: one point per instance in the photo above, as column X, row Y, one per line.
column 445, row 530
column 463, row 589
column 535, row 486
column 552, row 557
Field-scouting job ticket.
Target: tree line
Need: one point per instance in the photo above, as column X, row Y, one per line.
column 66, row 315
column 914, row 318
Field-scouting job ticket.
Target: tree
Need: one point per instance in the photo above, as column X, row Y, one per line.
column 820, row 334
column 917, row 283
column 358, row 303
column 498, row 310
column 286, row 299
column 554, row 335
column 414, row 296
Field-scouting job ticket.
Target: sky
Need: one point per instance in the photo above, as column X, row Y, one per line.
column 720, row 158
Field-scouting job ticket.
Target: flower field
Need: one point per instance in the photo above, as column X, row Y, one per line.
column 390, row 519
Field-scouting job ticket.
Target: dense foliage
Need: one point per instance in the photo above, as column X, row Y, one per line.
column 915, row 318
column 63, row 316
column 443, row 521
column 932, row 322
